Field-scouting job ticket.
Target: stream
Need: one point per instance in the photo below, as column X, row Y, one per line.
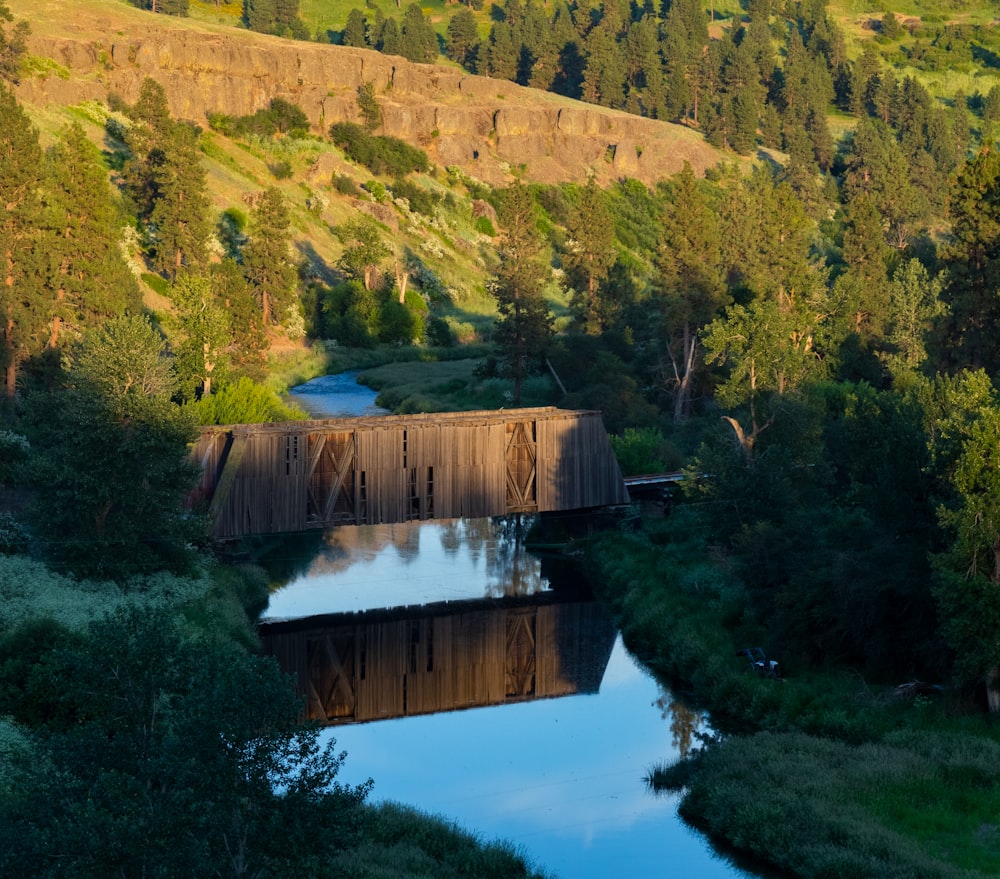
column 481, row 682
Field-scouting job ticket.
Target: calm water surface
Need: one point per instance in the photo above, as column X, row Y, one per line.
column 561, row 778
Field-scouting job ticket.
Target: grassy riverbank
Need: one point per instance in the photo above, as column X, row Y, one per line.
column 821, row 774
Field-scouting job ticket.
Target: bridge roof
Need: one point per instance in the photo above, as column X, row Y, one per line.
column 480, row 416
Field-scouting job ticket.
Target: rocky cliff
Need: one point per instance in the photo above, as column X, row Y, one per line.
column 486, row 127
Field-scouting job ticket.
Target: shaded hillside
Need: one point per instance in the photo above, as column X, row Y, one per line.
column 487, row 128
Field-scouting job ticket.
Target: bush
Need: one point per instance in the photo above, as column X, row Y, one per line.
column 244, row 402
column 644, row 450
column 14, row 451
column 13, row 536
column 439, row 333
column 345, row 185
column 281, row 170
column 379, row 153
column 484, row 226
column 420, row 200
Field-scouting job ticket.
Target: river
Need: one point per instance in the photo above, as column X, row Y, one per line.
column 511, row 706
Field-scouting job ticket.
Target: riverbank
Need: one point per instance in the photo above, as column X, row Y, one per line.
column 823, row 773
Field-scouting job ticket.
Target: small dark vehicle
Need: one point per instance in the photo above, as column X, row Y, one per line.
column 761, row 665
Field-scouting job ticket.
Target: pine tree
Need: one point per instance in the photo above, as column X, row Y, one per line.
column 589, row 253
column 86, row 269
column 972, row 263
column 356, row 29
column 249, row 342
column 502, row 53
column 463, row 37
column 689, row 287
column 178, row 224
column 604, row 75
column 524, row 325
column 389, row 38
column 23, row 312
column 418, row 42
column 266, row 261
column 260, row 15
column 13, row 44
column 877, row 166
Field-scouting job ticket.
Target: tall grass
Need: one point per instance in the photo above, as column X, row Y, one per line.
column 403, row 842
column 817, row 774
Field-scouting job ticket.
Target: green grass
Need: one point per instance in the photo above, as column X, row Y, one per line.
column 450, row 386
column 821, row 774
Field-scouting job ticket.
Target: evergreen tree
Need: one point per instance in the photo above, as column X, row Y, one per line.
column 524, row 324
column 356, row 29
column 178, row 224
column 24, row 314
column 369, row 107
column 689, row 287
column 266, row 261
column 286, row 17
column 604, row 75
column 589, row 253
column 389, row 40
column 463, row 38
column 972, row 262
column 685, row 35
column 13, row 44
column 502, row 53
column 86, row 267
column 877, row 167
column 260, row 15
column 417, row 41
column 248, row 348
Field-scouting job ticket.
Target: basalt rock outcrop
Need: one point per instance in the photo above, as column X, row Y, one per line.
column 489, row 128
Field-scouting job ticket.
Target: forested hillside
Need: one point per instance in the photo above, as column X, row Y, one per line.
column 800, row 310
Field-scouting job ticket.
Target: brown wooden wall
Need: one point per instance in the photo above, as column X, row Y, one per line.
column 270, row 478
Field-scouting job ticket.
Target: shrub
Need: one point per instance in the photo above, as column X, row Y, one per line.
column 420, row 200
column 484, row 226
column 281, row 170
column 439, row 333
column 345, row 185
column 14, row 451
column 379, row 153
column 244, row 402
column 13, row 536
column 643, row 450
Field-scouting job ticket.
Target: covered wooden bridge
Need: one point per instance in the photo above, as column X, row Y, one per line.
column 292, row 476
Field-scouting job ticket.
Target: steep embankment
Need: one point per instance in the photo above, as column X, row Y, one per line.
column 484, row 126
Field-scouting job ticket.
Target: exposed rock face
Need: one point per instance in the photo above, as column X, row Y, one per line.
column 484, row 126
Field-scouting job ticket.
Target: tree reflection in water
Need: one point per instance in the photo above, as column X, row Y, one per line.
column 684, row 721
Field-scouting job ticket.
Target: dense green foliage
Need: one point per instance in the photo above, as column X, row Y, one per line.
column 380, row 154
column 813, row 340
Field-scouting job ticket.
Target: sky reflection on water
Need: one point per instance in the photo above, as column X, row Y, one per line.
column 561, row 778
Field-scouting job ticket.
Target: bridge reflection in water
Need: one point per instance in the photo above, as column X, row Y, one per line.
column 378, row 665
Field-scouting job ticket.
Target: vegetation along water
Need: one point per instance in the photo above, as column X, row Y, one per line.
column 760, row 237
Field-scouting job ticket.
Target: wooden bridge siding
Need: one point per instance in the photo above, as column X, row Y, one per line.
column 454, row 465
column 576, row 467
